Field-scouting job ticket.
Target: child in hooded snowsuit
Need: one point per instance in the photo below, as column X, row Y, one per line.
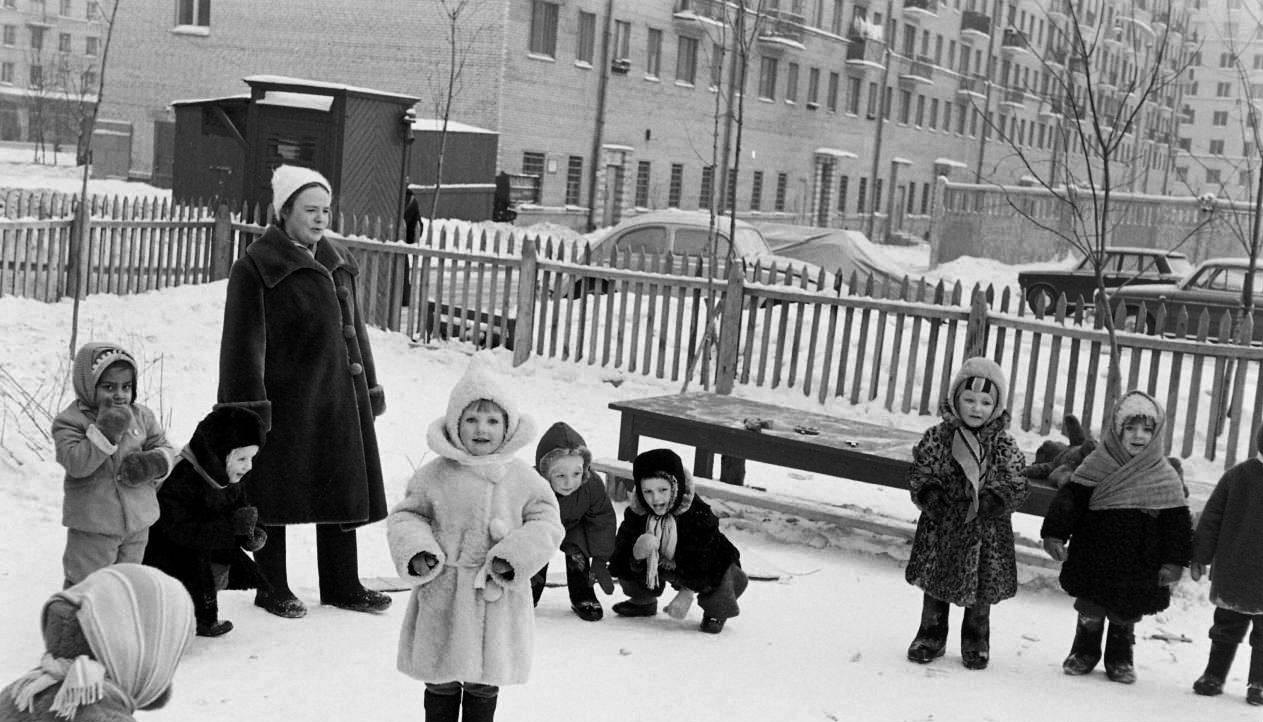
column 207, row 522
column 966, row 480
column 115, row 454
column 1126, row 518
column 112, row 644
column 562, row 457
column 669, row 534
column 475, row 523
column 1229, row 542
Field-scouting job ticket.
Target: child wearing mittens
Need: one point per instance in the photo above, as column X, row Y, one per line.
column 115, row 454
column 1229, row 543
column 474, row 525
column 562, row 457
column 669, row 534
column 966, row 480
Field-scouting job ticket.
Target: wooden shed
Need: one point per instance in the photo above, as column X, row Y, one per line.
column 469, row 169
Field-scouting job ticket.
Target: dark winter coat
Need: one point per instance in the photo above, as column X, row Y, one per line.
column 295, row 351
column 702, row 552
column 1114, row 554
column 958, row 561
column 586, row 512
column 196, row 530
column 1230, row 539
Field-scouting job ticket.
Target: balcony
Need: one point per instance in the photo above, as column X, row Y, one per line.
column 782, row 28
column 865, row 53
column 1115, row 37
column 1161, row 21
column 914, row 11
column 709, row 11
column 1059, row 11
column 919, row 71
column 1013, row 98
column 1055, row 59
column 1139, row 26
column 1050, row 109
column 975, row 87
column 975, row 27
column 1014, row 43
column 1079, row 66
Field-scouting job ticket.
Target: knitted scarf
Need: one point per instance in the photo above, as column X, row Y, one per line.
column 1119, row 481
column 663, row 529
column 969, row 452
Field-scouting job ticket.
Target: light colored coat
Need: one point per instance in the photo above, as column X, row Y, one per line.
column 464, row 622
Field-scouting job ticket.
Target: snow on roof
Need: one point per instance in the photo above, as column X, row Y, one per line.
column 436, row 124
column 949, row 163
column 320, row 85
column 297, row 100
column 835, row 152
column 199, row 101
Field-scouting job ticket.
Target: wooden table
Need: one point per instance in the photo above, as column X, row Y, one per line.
column 714, row 424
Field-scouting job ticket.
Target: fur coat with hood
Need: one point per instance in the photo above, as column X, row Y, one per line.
column 1116, row 549
column 465, row 621
column 702, row 553
column 586, row 513
column 955, row 558
column 296, row 352
column 198, row 503
column 96, row 499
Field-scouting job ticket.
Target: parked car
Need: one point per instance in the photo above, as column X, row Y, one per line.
column 1123, row 266
column 688, row 233
column 1214, row 286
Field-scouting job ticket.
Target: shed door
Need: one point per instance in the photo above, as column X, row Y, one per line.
column 295, row 138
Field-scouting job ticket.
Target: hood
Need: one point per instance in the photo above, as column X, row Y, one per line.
column 976, row 366
column 479, row 382
column 560, row 437
column 91, row 360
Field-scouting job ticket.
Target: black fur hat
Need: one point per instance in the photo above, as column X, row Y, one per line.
column 230, row 427
column 657, row 462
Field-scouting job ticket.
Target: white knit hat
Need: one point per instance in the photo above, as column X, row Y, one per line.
column 1137, row 404
column 288, row 179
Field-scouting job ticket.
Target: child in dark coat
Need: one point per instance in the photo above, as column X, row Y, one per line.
column 562, row 457
column 1229, row 542
column 966, row 480
column 1126, row 518
column 206, row 519
column 669, row 534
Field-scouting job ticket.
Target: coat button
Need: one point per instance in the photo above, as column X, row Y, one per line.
column 357, row 369
column 344, row 293
column 348, row 331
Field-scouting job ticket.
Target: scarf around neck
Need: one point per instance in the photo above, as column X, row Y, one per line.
column 663, row 528
column 974, row 460
column 1119, row 481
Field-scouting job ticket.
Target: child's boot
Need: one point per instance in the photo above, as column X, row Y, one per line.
column 932, row 635
column 1254, row 692
column 442, row 707
column 1119, row 641
column 975, row 636
column 1085, row 652
column 478, row 708
column 1211, row 682
column 582, row 597
column 206, row 612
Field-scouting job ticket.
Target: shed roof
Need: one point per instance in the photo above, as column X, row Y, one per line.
column 317, row 87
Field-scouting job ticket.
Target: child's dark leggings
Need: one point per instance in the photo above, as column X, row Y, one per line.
column 1230, row 627
column 719, row 601
column 484, row 691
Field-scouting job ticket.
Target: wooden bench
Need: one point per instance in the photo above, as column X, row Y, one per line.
column 714, row 424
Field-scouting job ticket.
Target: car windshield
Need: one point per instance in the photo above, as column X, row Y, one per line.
column 1218, row 278
column 1179, row 265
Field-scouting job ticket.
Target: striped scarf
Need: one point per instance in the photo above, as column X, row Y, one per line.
column 968, row 451
column 664, row 530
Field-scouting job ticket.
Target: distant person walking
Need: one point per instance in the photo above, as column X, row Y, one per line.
column 295, row 351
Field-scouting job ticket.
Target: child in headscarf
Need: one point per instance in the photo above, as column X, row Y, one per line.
column 1125, row 515
column 669, row 534
column 112, row 643
column 966, row 480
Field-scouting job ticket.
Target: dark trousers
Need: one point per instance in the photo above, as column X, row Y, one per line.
column 337, row 561
column 1091, row 609
column 578, row 579
column 1230, row 627
column 719, row 602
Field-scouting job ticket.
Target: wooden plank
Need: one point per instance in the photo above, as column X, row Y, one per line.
column 633, row 346
column 651, row 317
column 1236, row 407
column 827, row 363
column 932, row 353
column 1032, row 370
column 1054, row 364
column 879, row 353
column 620, row 329
column 1072, row 373
column 1173, row 392
column 892, row 380
column 813, row 339
column 1195, row 387
column 914, row 359
column 862, row 346
column 949, row 353
column 1218, row 389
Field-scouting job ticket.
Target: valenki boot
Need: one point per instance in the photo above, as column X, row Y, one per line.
column 1119, row 641
column 442, row 707
column 1085, row 651
column 1254, row 692
column 931, row 637
column 975, row 637
column 478, row 709
column 1211, row 682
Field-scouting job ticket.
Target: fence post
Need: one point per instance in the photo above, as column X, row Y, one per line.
column 730, row 329
column 976, row 329
column 222, row 247
column 524, row 325
column 78, row 243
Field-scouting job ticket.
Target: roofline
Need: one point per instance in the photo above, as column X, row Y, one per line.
column 316, row 87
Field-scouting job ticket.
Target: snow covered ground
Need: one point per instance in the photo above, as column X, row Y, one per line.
column 825, row 642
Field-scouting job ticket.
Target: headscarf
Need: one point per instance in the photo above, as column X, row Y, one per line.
column 1121, row 481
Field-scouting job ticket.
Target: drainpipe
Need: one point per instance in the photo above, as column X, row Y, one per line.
column 881, row 124
column 598, row 132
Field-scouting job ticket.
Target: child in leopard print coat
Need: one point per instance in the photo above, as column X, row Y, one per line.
column 966, row 480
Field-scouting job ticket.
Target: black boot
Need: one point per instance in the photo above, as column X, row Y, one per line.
column 931, row 637
column 975, row 636
column 1254, row 692
column 1119, row 641
column 1211, row 682
column 206, row 612
column 478, row 709
column 442, row 707
column 1085, row 652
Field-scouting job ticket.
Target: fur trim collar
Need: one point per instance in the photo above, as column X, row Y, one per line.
column 683, row 498
column 277, row 257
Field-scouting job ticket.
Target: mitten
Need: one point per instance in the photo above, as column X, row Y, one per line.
column 645, row 546
column 257, row 539
column 1169, row 574
column 113, row 422
column 933, row 502
column 1196, row 570
column 601, row 574
column 244, row 520
column 1056, row 548
column 422, row 564
column 140, row 467
column 679, row 607
column 989, row 504
column 502, row 569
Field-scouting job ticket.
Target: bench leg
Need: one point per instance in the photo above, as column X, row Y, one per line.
column 703, row 463
column 732, row 470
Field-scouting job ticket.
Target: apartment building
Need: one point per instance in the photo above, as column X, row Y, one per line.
column 49, row 63
column 616, row 105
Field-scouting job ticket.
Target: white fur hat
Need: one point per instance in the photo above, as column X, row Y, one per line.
column 288, row 179
column 1137, row 404
column 480, row 381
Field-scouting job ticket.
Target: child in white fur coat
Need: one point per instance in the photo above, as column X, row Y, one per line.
column 475, row 523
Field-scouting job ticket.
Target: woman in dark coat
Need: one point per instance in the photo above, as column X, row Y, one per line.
column 295, row 351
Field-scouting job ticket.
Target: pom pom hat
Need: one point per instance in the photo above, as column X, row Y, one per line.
column 288, row 180
column 981, row 375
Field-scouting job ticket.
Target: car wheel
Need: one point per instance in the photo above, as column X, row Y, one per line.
column 1042, row 296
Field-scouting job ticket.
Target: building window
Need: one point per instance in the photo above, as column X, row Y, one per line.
column 653, row 55
column 574, row 179
column 63, row 42
column 1223, row 90
column 813, row 88
column 190, row 12
column 92, row 10
column 782, row 181
column 91, row 45
column 675, row 188
column 861, row 196
column 756, row 191
column 707, row 189
column 925, row 199
column 716, row 64
column 833, row 92
column 543, row 28
column 37, row 38
column 686, row 60
column 872, row 100
column 1212, row 175
column 642, row 184
column 1219, row 118
column 877, row 194
column 89, row 80
column 1243, row 178
column 6, row 73
column 839, row 22
column 854, row 87
column 730, row 193
column 533, row 164
column 843, row 182
column 64, row 9
column 791, row 83
column 622, row 40
column 920, row 110
column 37, row 76
column 905, row 106
column 947, row 116
column 10, row 35
column 586, row 43
column 1216, row 147
column 911, row 205
column 767, row 78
